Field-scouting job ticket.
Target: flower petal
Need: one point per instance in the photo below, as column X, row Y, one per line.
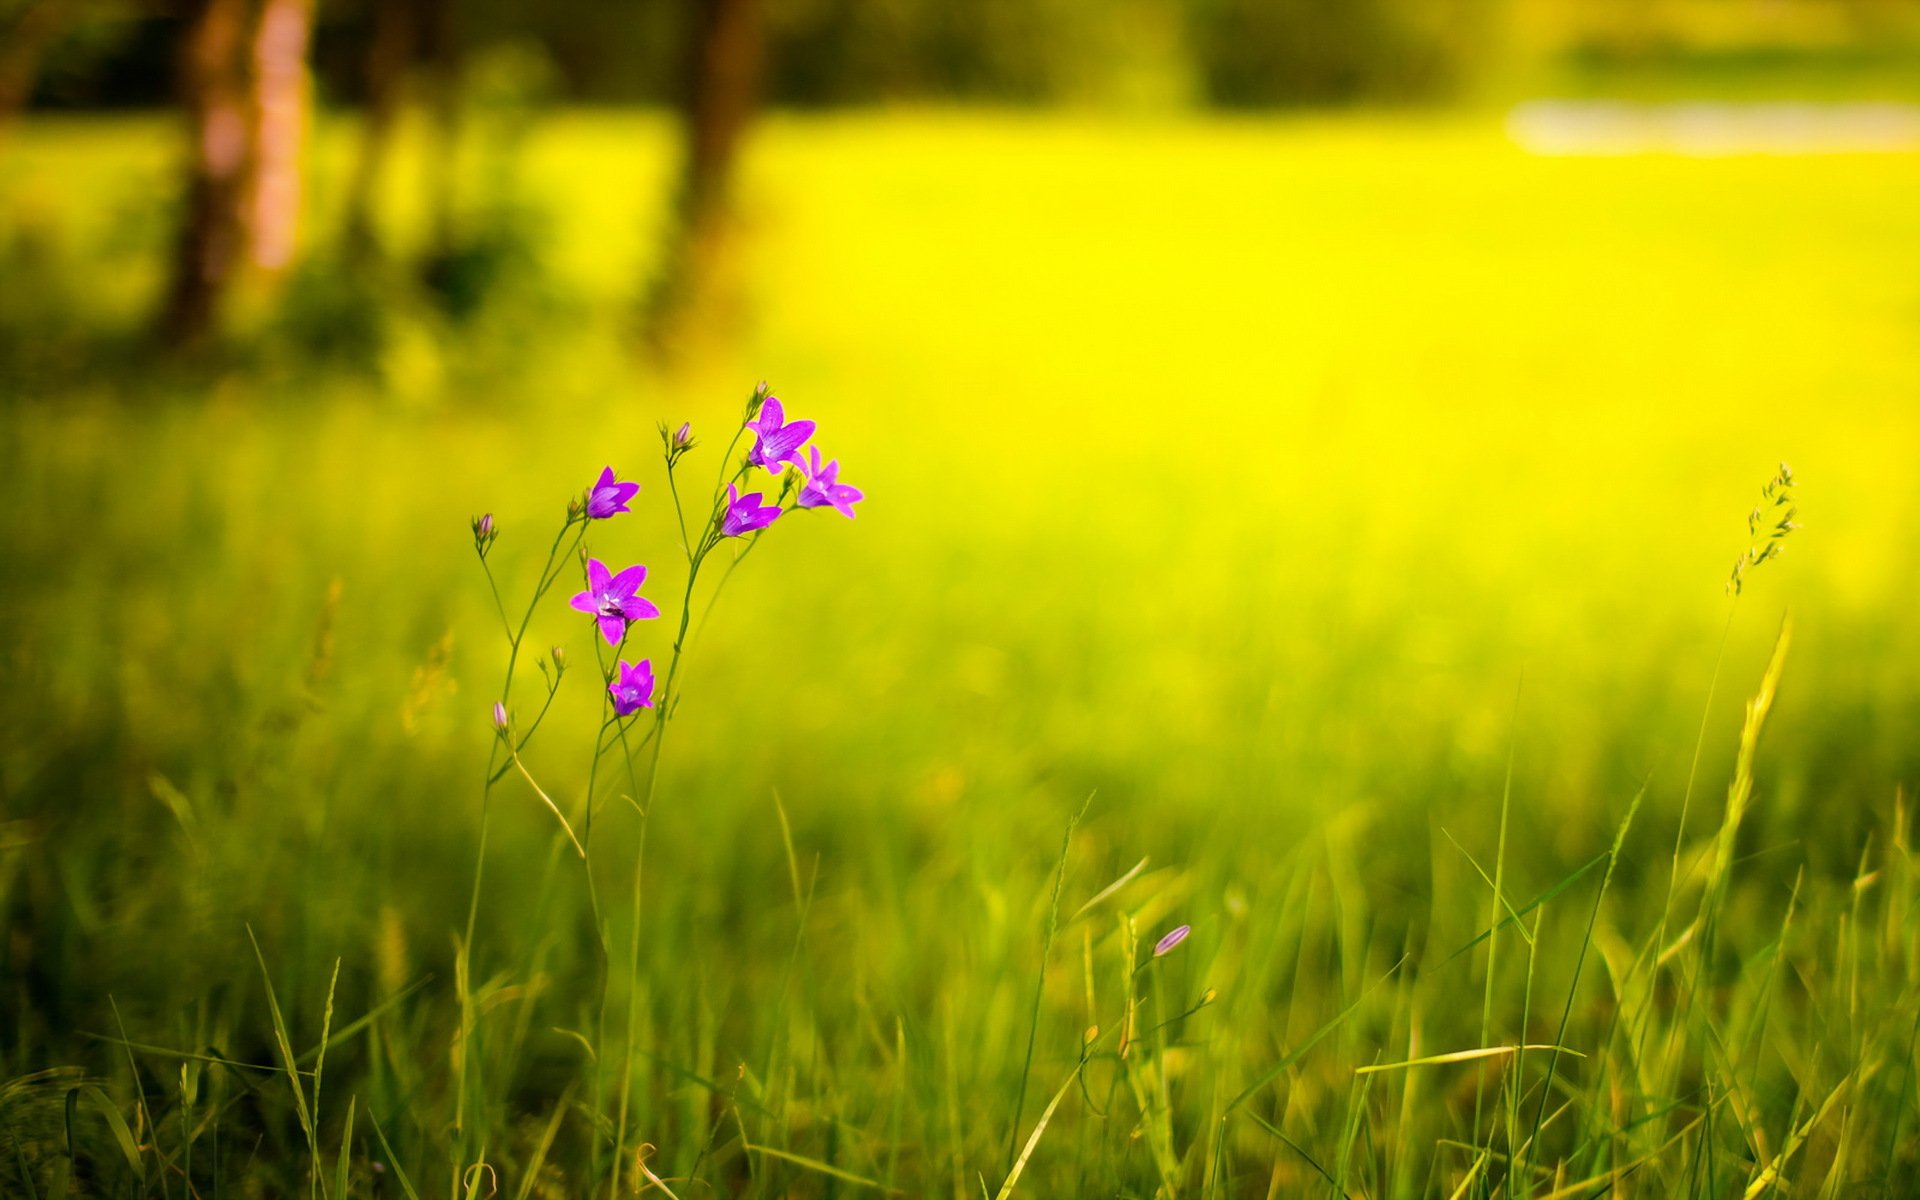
column 639, row 608
column 584, row 602
column 627, row 582
column 597, row 575
column 613, row 629
column 793, row 436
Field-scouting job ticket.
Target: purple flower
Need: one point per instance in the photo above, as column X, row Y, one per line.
column 608, row 497
column 633, row 690
column 683, row 436
column 745, row 513
column 1173, row 938
column 822, row 487
column 499, row 716
column 613, row 599
column 779, row 439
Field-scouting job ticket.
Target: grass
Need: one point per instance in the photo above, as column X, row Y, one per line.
column 1233, row 473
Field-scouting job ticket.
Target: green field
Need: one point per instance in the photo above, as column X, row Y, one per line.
column 1343, row 504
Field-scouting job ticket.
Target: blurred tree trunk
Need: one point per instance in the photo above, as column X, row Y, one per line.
column 243, row 85
column 388, row 53
column 220, row 167
column 720, row 94
column 280, row 121
column 22, row 48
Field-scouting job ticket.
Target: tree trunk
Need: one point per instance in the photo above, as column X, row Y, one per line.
column 220, row 167
column 244, row 87
column 717, row 106
column 279, row 130
column 21, row 51
column 723, row 82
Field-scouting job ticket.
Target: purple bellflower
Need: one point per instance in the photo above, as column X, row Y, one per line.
column 1173, row 938
column 613, row 600
column 823, row 488
column 609, row 496
column 779, row 439
column 633, row 690
column 745, row 513
column 499, row 716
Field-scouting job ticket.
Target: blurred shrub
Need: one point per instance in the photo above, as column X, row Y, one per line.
column 1254, row 53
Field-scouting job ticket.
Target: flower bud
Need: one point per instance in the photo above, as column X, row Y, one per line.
column 676, row 443
column 1173, row 938
column 761, row 391
column 559, row 658
column 500, row 716
column 484, row 533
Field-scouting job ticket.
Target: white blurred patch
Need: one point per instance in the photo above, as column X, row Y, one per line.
column 1705, row 130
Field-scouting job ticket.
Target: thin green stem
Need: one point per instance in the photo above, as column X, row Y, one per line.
column 679, row 512
column 499, row 605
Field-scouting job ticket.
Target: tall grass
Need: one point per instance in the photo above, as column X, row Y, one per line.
column 1270, row 609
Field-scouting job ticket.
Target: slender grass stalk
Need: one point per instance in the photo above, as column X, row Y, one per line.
column 1498, row 902
column 1040, row 978
column 1580, row 961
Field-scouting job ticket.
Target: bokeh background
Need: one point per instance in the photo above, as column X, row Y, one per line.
column 1278, row 420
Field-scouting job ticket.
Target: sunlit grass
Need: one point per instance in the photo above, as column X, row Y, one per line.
column 1238, row 474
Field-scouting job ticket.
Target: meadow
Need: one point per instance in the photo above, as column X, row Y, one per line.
column 1312, row 531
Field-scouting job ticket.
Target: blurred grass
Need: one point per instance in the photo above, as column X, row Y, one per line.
column 1239, row 473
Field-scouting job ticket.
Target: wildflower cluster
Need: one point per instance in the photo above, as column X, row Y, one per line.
column 612, row 602
column 611, row 598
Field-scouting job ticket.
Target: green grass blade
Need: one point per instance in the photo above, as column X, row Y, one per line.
column 286, row 1054
column 340, row 1169
column 116, row 1124
column 393, row 1162
column 1040, row 981
column 1514, row 914
column 1040, row 1127
column 1457, row 1056
column 814, row 1164
column 1297, row 1053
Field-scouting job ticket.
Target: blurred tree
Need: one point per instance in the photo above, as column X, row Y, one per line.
column 23, row 45
column 280, row 117
column 242, row 82
column 213, row 90
column 720, row 91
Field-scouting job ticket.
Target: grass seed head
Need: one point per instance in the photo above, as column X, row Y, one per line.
column 1768, row 526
